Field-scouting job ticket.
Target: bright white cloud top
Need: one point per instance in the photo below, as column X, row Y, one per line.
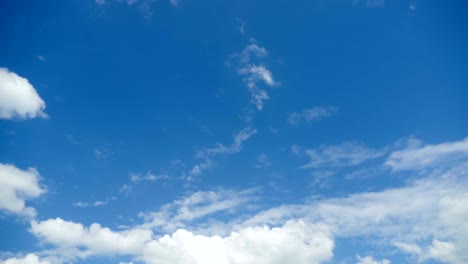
column 426, row 220
column 18, row 98
column 28, row 259
column 17, row 186
column 429, row 226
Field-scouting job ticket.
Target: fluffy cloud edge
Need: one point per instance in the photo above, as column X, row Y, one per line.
column 16, row 187
column 18, row 98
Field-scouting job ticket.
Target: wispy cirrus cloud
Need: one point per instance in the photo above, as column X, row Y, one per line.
column 235, row 147
column 102, row 153
column 430, row 226
column 344, row 154
column 137, row 178
column 316, row 113
column 418, row 156
column 144, row 6
column 95, row 203
column 206, row 155
column 369, row 3
column 198, row 205
column 254, row 72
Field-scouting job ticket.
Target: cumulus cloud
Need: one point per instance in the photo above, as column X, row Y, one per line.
column 311, row 114
column 345, row 154
column 295, row 242
column 18, row 98
column 28, row 259
column 417, row 156
column 426, row 219
column 17, row 186
column 371, row 260
column 96, row 239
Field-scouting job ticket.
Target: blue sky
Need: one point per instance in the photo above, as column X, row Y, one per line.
column 323, row 131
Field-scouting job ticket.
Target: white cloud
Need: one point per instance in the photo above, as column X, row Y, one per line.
column 220, row 149
column 263, row 161
column 18, row 98
column 17, row 186
column 196, row 206
column 312, row 114
column 416, row 156
column 95, row 203
column 149, row 176
column 427, row 219
column 235, row 147
column 257, row 96
column 28, row 259
column 345, row 154
column 137, row 178
column 295, row 149
column 97, row 239
column 101, row 153
column 255, row 73
column 241, row 25
column 370, row 3
column 199, row 168
column 371, row 260
column 252, row 49
column 295, row 242
column 408, row 248
column 100, row 2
